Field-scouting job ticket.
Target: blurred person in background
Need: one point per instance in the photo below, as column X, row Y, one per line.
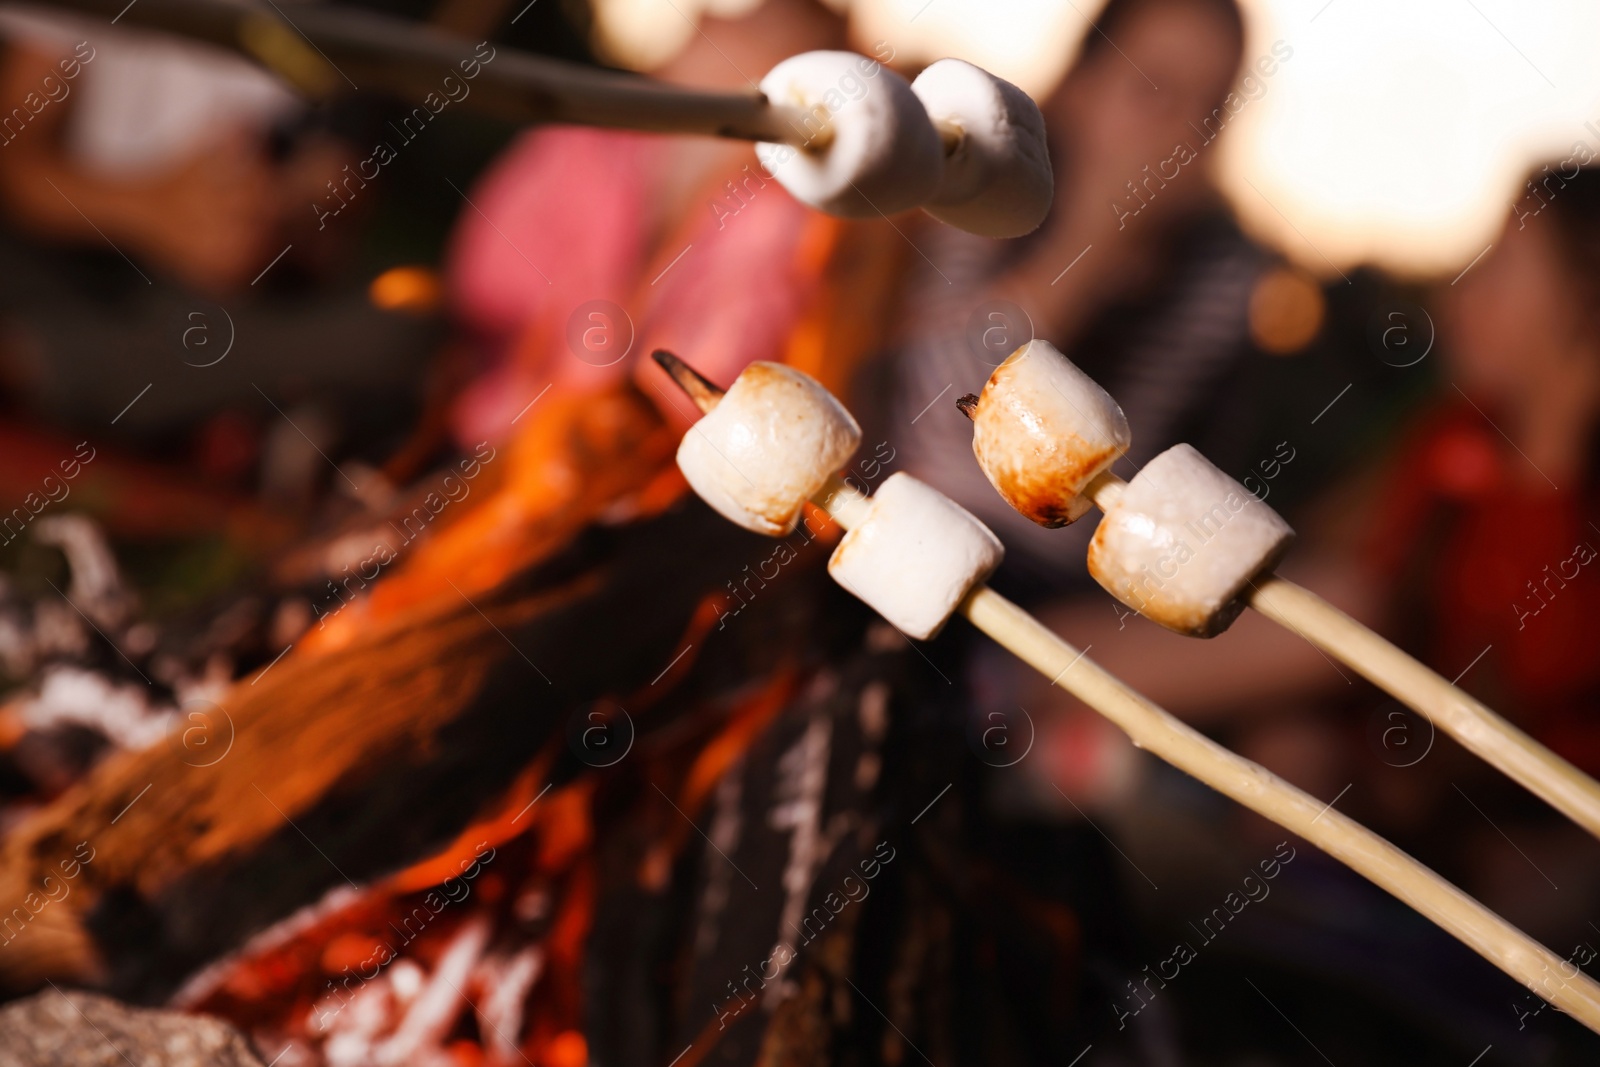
column 160, row 142
column 1143, row 278
column 1139, row 274
column 147, row 185
column 1472, row 544
column 1480, row 532
column 1486, row 536
column 1148, row 284
column 1481, row 550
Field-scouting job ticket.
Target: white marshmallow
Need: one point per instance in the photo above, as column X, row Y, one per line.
column 883, row 154
column 1042, row 430
column 915, row 556
column 769, row 444
column 1183, row 540
column 998, row 181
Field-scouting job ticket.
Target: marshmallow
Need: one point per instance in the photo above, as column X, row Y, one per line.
column 915, row 556
column 1042, row 429
column 997, row 182
column 767, row 447
column 1183, row 540
column 881, row 153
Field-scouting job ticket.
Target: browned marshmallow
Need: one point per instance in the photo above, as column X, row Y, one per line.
column 767, row 447
column 1042, row 429
column 1183, row 540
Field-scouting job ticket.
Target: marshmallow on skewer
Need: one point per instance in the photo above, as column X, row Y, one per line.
column 915, row 556
column 1042, row 430
column 996, row 179
column 770, row 443
column 1181, row 542
column 874, row 149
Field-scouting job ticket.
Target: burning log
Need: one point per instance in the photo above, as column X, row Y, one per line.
column 373, row 749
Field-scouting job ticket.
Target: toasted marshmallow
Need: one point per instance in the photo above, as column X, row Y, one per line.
column 998, row 181
column 772, row 442
column 1042, row 429
column 915, row 556
column 1183, row 540
column 876, row 151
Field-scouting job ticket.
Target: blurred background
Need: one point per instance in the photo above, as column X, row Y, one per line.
column 373, row 691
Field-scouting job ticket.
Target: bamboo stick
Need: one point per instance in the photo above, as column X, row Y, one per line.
column 324, row 49
column 1482, row 732
column 1389, row 868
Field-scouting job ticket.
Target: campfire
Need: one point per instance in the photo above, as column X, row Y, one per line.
column 589, row 704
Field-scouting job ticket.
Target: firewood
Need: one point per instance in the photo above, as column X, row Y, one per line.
column 353, row 761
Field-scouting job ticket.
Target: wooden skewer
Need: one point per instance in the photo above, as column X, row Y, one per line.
column 1162, row 734
column 326, row 48
column 1389, row 868
column 1481, row 731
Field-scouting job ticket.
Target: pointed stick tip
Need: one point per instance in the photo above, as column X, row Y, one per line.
column 704, row 392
